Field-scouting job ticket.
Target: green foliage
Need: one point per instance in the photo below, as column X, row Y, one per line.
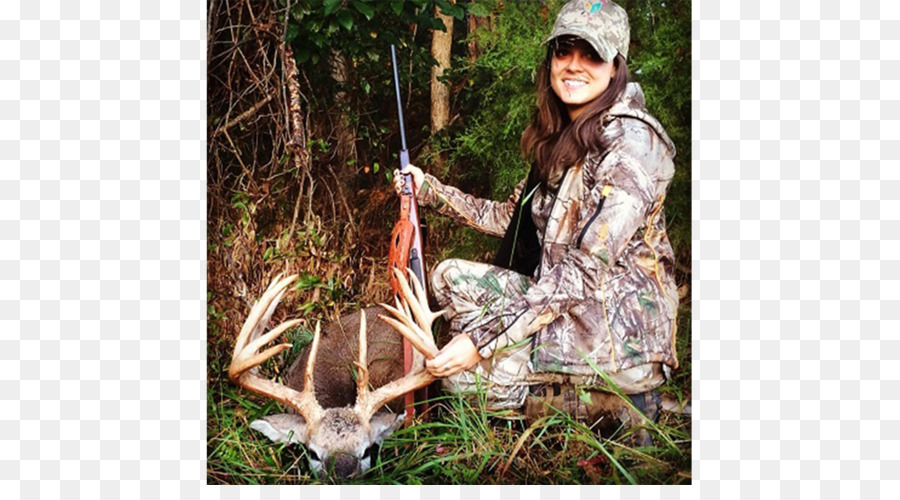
column 241, row 201
column 315, row 27
column 480, row 8
column 361, row 32
column 299, row 338
column 500, row 96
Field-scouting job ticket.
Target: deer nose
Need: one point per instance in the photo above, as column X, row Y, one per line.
column 344, row 465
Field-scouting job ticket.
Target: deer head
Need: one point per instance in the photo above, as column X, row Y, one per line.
column 339, row 440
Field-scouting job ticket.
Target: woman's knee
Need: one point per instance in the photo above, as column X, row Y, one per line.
column 444, row 273
column 442, row 278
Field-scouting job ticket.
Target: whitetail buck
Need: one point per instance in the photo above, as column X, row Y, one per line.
column 339, row 421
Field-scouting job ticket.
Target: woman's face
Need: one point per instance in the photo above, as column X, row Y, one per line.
column 577, row 74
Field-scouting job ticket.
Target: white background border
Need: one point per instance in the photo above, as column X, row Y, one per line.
column 102, row 255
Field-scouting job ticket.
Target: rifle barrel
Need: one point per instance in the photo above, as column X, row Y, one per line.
column 399, row 101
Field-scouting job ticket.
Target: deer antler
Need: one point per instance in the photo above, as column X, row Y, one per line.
column 362, row 381
column 246, row 359
column 412, row 319
column 414, row 306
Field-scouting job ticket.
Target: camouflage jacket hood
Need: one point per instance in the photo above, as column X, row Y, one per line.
column 632, row 105
column 604, row 292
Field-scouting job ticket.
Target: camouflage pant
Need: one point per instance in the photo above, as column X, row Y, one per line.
column 468, row 291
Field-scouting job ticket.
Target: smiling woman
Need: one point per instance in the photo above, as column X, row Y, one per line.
column 583, row 287
column 578, row 74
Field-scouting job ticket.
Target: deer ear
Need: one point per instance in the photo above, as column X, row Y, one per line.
column 282, row 428
column 382, row 425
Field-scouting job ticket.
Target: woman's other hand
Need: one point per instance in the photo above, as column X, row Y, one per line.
column 417, row 174
column 459, row 354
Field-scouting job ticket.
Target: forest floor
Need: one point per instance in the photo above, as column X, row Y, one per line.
column 457, row 441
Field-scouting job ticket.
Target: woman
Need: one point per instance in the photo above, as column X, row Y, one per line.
column 584, row 275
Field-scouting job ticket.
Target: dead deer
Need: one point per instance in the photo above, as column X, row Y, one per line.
column 337, row 417
column 339, row 421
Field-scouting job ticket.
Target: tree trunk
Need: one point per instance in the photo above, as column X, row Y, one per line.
column 441, row 42
column 298, row 133
column 345, row 150
column 474, row 24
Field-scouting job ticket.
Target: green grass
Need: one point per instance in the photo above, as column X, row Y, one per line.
column 460, row 442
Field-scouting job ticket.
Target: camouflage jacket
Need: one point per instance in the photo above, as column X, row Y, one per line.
column 605, row 288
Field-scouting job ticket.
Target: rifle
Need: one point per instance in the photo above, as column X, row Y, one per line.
column 406, row 238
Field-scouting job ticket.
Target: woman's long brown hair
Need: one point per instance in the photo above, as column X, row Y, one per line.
column 553, row 141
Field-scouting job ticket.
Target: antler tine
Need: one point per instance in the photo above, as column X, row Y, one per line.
column 362, row 380
column 308, row 379
column 248, row 340
column 410, row 299
column 422, row 298
column 401, row 322
column 276, row 332
column 409, row 314
column 267, row 314
column 417, row 302
column 246, row 358
column 402, row 314
column 414, row 338
column 376, row 399
column 248, row 363
column 400, row 307
column 262, row 309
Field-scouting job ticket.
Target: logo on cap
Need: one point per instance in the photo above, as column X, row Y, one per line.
column 591, row 8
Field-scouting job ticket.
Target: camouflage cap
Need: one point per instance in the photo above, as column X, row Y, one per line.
column 601, row 23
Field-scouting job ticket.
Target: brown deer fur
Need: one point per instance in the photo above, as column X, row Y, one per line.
column 335, row 373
